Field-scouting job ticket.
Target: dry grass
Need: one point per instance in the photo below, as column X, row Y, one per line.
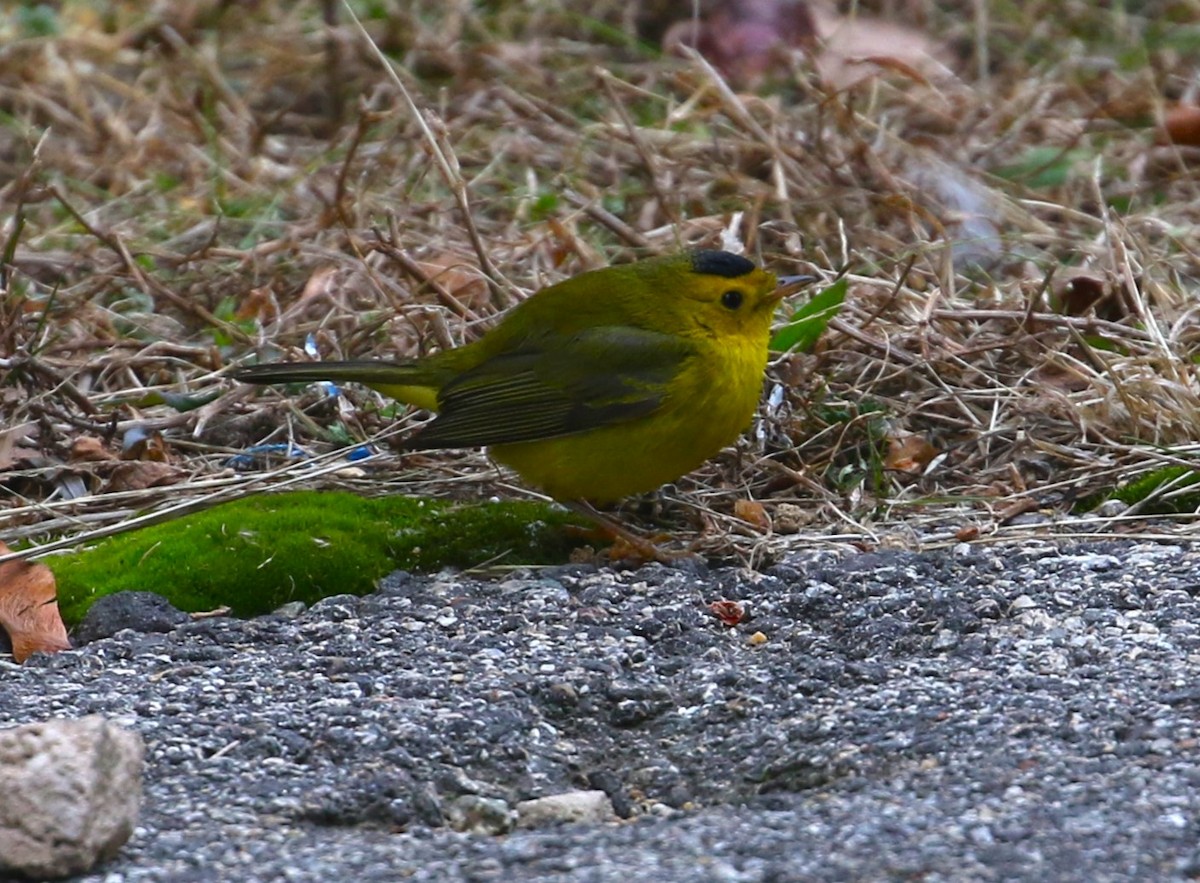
column 184, row 189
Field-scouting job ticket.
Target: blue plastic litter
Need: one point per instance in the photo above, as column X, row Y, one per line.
column 259, row 455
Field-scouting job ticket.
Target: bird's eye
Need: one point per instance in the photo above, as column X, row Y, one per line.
column 731, row 299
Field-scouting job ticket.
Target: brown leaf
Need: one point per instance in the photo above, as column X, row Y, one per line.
column 258, row 304
column 320, row 283
column 138, row 475
column 752, row 512
column 1081, row 292
column 29, row 608
column 1181, row 125
column 909, row 454
column 746, row 39
column 458, row 278
column 1058, row 378
column 967, row 533
column 729, row 612
column 147, row 447
column 1107, row 298
column 1019, row 507
column 860, row 47
column 88, row 449
column 10, row 442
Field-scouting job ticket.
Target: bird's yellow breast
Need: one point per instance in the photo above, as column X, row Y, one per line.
column 710, row 402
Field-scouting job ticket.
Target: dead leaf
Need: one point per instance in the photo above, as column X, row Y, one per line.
column 1082, row 292
column 746, row 39
column 752, row 512
column 259, row 304
column 88, row 449
column 563, row 242
column 1059, row 378
column 729, row 612
column 137, row 475
column 320, row 283
column 458, row 279
column 859, row 47
column 967, row 533
column 29, row 608
column 1181, row 125
column 1097, row 293
column 143, row 446
column 909, row 454
column 1019, row 507
column 10, row 440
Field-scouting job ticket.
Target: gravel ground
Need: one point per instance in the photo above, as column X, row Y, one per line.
column 986, row 713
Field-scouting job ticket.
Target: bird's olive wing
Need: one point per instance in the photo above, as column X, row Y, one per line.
column 557, row 385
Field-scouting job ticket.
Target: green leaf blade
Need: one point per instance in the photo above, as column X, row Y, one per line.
column 809, row 322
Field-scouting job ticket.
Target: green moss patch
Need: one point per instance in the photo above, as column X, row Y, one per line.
column 255, row 554
column 1171, row 490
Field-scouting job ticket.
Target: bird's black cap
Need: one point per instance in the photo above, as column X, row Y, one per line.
column 720, row 263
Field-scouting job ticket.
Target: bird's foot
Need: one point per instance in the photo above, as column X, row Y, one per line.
column 626, row 545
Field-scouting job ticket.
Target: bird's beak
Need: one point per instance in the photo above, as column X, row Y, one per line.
column 790, row 285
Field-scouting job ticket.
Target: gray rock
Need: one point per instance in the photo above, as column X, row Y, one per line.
column 908, row 717
column 139, row 611
column 291, row 609
column 573, row 807
column 72, row 789
column 473, row 814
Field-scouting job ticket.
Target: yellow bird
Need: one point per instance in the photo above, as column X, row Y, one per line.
column 608, row 384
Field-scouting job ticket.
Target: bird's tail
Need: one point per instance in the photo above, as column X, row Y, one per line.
column 404, row 381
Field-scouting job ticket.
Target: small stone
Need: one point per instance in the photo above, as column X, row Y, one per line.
column 572, row 807
column 472, row 814
column 72, row 790
column 140, row 611
column 338, row 608
column 758, row 638
column 945, row 639
column 1029, row 519
column 790, row 518
column 1021, row 603
column 563, row 694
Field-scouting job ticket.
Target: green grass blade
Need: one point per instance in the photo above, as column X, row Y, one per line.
column 810, row 321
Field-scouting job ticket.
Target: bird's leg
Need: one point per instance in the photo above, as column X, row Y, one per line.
column 626, row 544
